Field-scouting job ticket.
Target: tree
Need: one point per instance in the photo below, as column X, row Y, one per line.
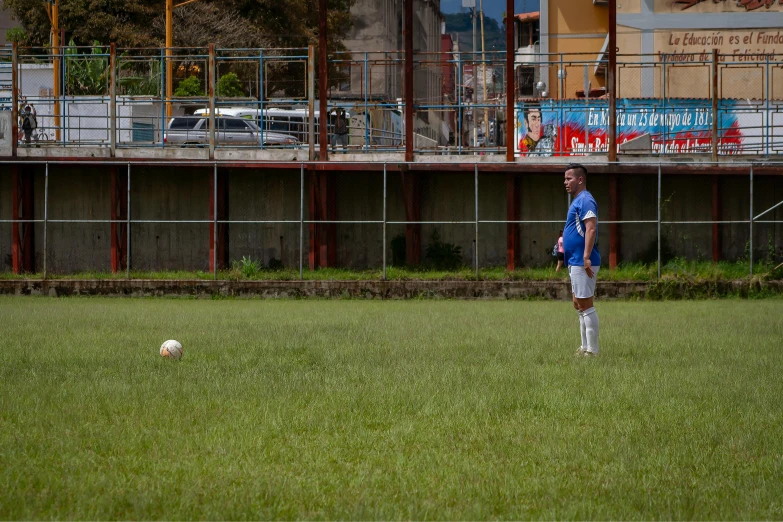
column 190, row 86
column 226, row 23
column 88, row 20
column 229, row 86
column 16, row 34
column 86, row 75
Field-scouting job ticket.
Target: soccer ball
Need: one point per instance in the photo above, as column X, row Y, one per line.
column 171, row 349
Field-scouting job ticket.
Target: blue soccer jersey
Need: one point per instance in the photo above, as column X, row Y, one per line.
column 582, row 207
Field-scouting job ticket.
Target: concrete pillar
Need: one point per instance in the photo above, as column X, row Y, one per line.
column 614, row 215
column 222, row 215
column 716, row 213
column 22, row 234
column 323, row 207
column 119, row 212
column 513, row 213
column 411, row 190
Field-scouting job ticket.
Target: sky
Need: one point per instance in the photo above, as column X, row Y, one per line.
column 492, row 8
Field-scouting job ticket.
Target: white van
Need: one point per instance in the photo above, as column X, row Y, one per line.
column 297, row 123
column 289, row 122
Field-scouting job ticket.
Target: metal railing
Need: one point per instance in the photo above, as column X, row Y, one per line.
column 721, row 105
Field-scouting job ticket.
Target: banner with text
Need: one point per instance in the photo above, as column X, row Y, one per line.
column 574, row 128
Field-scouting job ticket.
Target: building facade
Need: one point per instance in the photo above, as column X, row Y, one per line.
column 651, row 32
column 375, row 59
column 6, row 23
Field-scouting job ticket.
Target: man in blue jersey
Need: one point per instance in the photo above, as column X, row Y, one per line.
column 581, row 254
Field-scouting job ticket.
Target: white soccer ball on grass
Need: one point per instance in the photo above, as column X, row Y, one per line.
column 171, row 349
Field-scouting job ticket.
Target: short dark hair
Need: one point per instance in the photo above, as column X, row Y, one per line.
column 577, row 166
column 530, row 108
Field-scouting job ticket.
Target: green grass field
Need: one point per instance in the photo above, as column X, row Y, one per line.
column 389, row 410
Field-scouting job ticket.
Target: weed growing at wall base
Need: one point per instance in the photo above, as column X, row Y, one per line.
column 388, row 410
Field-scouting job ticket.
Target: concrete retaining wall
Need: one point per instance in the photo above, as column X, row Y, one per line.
column 182, row 193
column 547, row 290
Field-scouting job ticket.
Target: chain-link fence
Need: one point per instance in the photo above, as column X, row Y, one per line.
column 211, row 218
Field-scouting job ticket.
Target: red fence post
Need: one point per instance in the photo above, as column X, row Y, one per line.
column 411, row 191
column 716, row 212
column 323, row 147
column 612, row 81
column 222, row 228
column 22, row 208
column 510, row 91
column 119, row 212
column 614, row 213
column 408, row 32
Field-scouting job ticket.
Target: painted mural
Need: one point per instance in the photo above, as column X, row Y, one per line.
column 574, row 128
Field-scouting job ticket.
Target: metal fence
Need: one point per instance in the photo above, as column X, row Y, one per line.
column 699, row 104
column 468, row 218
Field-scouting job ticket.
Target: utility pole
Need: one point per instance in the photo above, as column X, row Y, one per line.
column 169, row 44
column 612, row 81
column 53, row 10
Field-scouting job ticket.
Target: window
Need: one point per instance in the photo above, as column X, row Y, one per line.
column 183, row 123
column 277, row 123
column 528, row 34
column 298, row 128
column 526, row 81
column 233, row 125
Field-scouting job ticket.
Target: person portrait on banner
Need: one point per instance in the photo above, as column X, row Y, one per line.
column 539, row 139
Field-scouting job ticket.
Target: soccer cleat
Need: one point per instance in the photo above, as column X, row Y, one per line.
column 581, row 351
column 587, row 353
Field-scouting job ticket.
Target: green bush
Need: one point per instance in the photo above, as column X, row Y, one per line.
column 246, row 266
column 190, row 86
column 229, row 86
column 16, row 34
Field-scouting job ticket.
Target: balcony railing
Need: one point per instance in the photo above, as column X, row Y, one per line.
column 718, row 106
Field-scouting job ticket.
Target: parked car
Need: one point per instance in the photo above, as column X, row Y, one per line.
column 194, row 130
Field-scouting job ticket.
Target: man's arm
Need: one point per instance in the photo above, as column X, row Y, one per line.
column 589, row 242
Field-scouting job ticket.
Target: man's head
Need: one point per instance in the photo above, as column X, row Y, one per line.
column 533, row 122
column 575, row 178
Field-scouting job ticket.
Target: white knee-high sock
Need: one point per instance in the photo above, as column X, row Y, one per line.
column 591, row 329
column 582, row 329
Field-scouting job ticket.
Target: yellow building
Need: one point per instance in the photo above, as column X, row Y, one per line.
column 664, row 46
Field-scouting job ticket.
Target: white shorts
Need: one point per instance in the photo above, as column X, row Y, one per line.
column 582, row 286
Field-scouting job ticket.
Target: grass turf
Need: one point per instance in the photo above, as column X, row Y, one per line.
column 389, row 410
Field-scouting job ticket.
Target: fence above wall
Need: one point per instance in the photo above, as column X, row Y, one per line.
column 471, row 212
column 114, row 104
